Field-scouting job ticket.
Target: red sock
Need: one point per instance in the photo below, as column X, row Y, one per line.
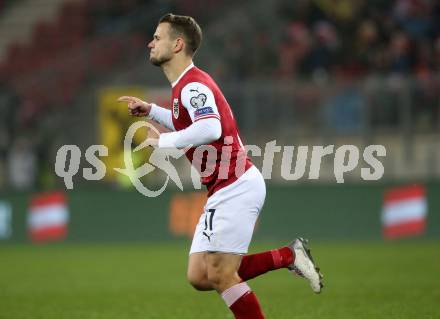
column 242, row 302
column 254, row 265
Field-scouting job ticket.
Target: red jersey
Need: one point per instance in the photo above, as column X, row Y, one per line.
column 195, row 96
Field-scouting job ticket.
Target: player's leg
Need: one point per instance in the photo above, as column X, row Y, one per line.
column 197, row 272
column 232, row 213
column 208, row 270
column 222, row 273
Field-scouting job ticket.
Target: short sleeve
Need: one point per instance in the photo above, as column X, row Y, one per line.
column 199, row 100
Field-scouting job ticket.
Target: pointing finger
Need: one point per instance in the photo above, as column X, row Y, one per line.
column 126, row 99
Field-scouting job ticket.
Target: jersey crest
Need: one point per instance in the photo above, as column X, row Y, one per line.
column 176, row 108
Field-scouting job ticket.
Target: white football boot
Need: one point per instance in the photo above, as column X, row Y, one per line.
column 304, row 266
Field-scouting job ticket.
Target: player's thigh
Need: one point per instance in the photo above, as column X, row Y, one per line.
column 224, row 262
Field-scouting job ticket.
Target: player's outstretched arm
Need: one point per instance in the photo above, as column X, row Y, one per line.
column 137, row 107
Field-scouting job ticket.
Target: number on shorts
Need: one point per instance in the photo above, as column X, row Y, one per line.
column 211, row 212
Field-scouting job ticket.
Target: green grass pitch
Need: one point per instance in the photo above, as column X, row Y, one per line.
column 363, row 280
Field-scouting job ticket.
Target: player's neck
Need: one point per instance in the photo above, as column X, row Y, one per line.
column 174, row 68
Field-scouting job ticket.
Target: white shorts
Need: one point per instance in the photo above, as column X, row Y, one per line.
column 229, row 216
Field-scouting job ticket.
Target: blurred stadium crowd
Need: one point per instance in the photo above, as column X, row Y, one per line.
column 306, row 38
column 391, row 47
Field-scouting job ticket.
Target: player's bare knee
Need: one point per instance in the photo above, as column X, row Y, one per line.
column 197, row 273
column 198, row 285
column 198, row 281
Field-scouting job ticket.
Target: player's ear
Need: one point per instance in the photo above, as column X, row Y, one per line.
column 179, row 45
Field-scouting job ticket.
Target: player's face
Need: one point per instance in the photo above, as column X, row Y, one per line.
column 161, row 47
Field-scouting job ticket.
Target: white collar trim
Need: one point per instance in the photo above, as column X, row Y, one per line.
column 182, row 74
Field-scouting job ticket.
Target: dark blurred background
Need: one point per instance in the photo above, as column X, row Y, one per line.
column 306, row 72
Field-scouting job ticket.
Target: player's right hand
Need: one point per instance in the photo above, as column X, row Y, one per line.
column 136, row 107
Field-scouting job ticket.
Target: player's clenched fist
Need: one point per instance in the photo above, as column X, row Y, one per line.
column 136, row 107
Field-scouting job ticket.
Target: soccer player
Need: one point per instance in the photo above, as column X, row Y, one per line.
column 201, row 115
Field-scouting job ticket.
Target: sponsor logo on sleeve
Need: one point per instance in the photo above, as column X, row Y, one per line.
column 204, row 111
